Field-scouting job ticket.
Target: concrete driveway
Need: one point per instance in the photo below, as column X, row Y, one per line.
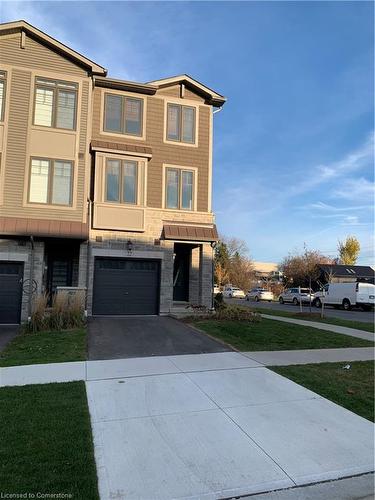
column 129, row 337
column 211, row 426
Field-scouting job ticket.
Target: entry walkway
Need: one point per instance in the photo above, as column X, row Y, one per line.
column 352, row 332
column 302, row 357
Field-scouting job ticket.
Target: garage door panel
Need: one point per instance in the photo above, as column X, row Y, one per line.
column 125, row 286
column 10, row 292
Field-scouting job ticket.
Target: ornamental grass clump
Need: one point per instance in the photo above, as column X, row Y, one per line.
column 38, row 313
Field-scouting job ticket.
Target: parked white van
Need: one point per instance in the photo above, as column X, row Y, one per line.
column 346, row 295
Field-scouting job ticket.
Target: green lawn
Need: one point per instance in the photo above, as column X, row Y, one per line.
column 46, row 443
column 45, row 347
column 353, row 389
column 315, row 316
column 270, row 335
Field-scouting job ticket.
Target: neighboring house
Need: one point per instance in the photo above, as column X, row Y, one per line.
column 266, row 272
column 104, row 184
column 341, row 273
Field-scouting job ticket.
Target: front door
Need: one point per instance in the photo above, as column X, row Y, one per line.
column 181, row 270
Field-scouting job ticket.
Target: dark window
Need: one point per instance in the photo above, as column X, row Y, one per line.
column 179, row 189
column 123, row 115
column 121, row 181
column 181, row 123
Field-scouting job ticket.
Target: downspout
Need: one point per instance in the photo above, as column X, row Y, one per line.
column 88, row 252
column 213, row 245
column 31, row 276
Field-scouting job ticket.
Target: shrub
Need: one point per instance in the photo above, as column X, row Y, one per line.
column 38, row 313
column 219, row 302
column 237, row 313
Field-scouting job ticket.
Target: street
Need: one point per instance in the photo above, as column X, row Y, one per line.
column 330, row 312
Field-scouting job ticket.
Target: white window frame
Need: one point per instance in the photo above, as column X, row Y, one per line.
column 54, row 85
column 50, row 183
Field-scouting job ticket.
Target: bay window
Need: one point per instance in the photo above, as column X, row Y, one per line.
column 179, row 191
column 123, row 115
column 55, row 104
column 51, row 181
column 121, row 181
column 181, row 123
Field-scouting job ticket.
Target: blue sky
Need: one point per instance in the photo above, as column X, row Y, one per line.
column 293, row 154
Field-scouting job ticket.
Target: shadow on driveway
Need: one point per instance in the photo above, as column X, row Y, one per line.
column 131, row 337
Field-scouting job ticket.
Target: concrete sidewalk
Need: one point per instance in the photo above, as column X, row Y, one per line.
column 352, row 332
column 351, row 488
column 301, row 357
column 207, row 426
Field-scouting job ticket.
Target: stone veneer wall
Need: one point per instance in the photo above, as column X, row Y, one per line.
column 114, row 243
column 20, row 251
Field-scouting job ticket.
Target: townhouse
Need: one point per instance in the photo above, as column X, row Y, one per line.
column 105, row 184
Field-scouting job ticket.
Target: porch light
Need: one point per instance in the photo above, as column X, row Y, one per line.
column 129, row 246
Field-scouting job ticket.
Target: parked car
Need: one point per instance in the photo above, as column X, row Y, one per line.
column 258, row 294
column 347, row 295
column 296, row 295
column 233, row 292
column 216, row 289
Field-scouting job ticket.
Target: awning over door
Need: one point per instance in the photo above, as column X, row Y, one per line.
column 190, row 233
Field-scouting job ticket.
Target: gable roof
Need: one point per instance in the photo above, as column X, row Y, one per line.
column 210, row 95
column 49, row 41
column 343, row 270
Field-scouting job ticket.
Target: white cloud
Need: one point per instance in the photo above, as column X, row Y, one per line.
column 355, row 189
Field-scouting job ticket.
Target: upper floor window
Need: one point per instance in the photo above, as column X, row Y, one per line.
column 55, row 104
column 2, row 93
column 181, row 123
column 123, row 115
column 121, row 181
column 51, row 181
column 179, row 189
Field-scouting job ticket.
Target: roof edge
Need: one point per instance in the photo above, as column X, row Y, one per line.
column 114, row 83
column 210, row 95
column 48, row 40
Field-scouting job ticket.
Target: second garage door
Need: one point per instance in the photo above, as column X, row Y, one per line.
column 10, row 291
column 126, row 286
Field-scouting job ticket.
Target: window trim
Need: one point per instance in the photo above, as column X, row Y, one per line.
column 121, row 201
column 55, row 90
column 124, row 97
column 181, row 123
column 50, row 183
column 180, row 169
column 183, row 103
column 4, row 80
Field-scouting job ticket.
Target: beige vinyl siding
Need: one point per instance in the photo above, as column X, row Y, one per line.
column 19, row 92
column 192, row 95
column 35, row 56
column 17, row 160
column 163, row 153
column 173, row 91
